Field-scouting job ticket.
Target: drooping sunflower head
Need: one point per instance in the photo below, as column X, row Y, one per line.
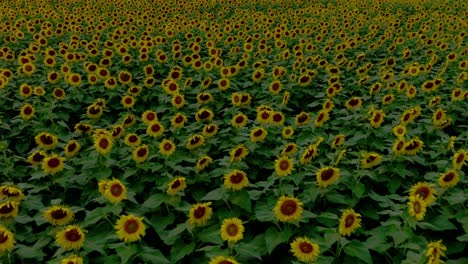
column 238, row 153
column 236, row 180
column 223, row 260
column 9, row 209
column 11, row 193
column 370, row 160
column 177, row 184
column 459, row 159
column 435, row 250
column 288, row 209
column 7, row 240
column 130, row 228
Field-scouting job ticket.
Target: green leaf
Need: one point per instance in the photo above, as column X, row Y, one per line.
column 29, row 252
column 264, row 213
column 441, row 223
column 358, row 249
column 154, row 201
column 378, row 243
column 273, row 238
column 211, row 235
column 254, row 248
column 242, row 199
column 153, row 256
column 180, row 250
column 126, row 251
column 215, row 195
column 95, row 215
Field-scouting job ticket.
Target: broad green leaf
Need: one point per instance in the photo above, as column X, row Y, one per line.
column 273, row 237
column 211, row 235
column 154, row 201
column 242, row 199
column 126, row 251
column 30, row 252
column 180, row 250
column 153, row 256
column 358, row 249
column 255, row 248
column 216, row 194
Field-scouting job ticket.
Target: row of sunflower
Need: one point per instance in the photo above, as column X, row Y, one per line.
column 233, row 132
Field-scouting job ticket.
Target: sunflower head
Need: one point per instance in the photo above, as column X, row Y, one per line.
column 417, row 207
column 200, row 213
column 288, row 209
column 232, row 230
column 7, row 240
column 130, row 228
column 9, row 209
column 327, row 176
column 349, row 222
column 177, row 184
column 236, row 180
column 58, row 215
column 304, row 249
column 113, row 190
column 53, row 164
column 70, row 238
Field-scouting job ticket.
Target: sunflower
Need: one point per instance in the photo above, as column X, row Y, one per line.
column 167, row 147
column 117, row 131
column 302, row 119
column 288, row 209
column 287, row 132
column 11, row 193
column 434, row 251
column 140, row 153
column 370, row 160
column 204, row 115
column 9, row 209
column 58, row 215
column 210, row 130
column 72, row 148
column 195, row 141
column 130, row 228
column 416, row 207
column 236, row 180
column 349, row 222
column 239, row 120
column 328, row 105
column 155, row 129
column 413, row 146
column 103, row 144
column 286, row 97
column 459, row 159
column 425, row 191
column 7, row 240
column 203, row 162
column 376, row 118
column 399, row 130
column 305, row 250
column 321, row 118
column 39, row 91
column 132, row 140
column 200, row 213
column 309, row 153
column 52, row 164
column 110, row 83
column 224, row 84
column 353, row 103
column 27, row 111
column 327, row 176
column 204, row 98
column 113, row 190
column 238, row 153
column 277, row 118
column 58, row 94
column 74, row 79
column 73, row 259
column 128, row 101
column 83, row 128
column 178, row 120
column 289, row 149
column 223, row 260
column 411, row 91
column 449, row 179
column 37, row 157
column 258, row 134
column 232, row 230
column 275, row 87
column 70, row 238
column 265, row 116
column 177, row 184
column 134, row 90
column 338, row 141
column 46, row 141
column 125, row 77
column 25, row 90
column 94, row 111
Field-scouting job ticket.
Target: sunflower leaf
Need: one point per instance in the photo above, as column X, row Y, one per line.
column 273, row 238
column 180, row 250
column 242, row 199
column 358, row 249
column 125, row 252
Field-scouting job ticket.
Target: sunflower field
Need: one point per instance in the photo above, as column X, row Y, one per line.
column 227, row 132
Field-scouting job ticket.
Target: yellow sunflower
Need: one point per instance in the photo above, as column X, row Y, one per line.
column 203, row 162
column 200, row 213
column 103, row 144
column 46, row 141
column 232, row 230
column 140, row 153
column 236, row 180
column 353, row 103
column 434, row 251
column 322, row 117
column 210, row 130
column 70, row 238
column 114, row 190
column 178, row 120
column 149, row 117
column 302, row 119
column 132, row 140
column 27, row 111
column 284, row 166
column 239, row 120
column 117, row 131
column 426, row 191
column 73, row 259
column 195, row 141
column 167, row 147
column 130, row 228
column 204, row 115
column 449, row 179
column 11, row 193
column 416, row 207
column 238, row 153
column 58, row 215
column 304, row 249
column 398, row 147
column 413, row 146
column 459, row 159
column 288, row 209
column 155, row 129
column 9, row 209
column 52, row 164
column 327, row 176
column 309, row 153
column 370, row 159
column 37, row 157
column 289, row 149
column 7, row 240
column 127, row 101
column 178, row 100
column 349, row 222
column 72, row 148
column 376, row 118
column 177, row 184
column 287, row 132
column 223, row 260
column 338, row 141
column 399, row 130
column 258, row 134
